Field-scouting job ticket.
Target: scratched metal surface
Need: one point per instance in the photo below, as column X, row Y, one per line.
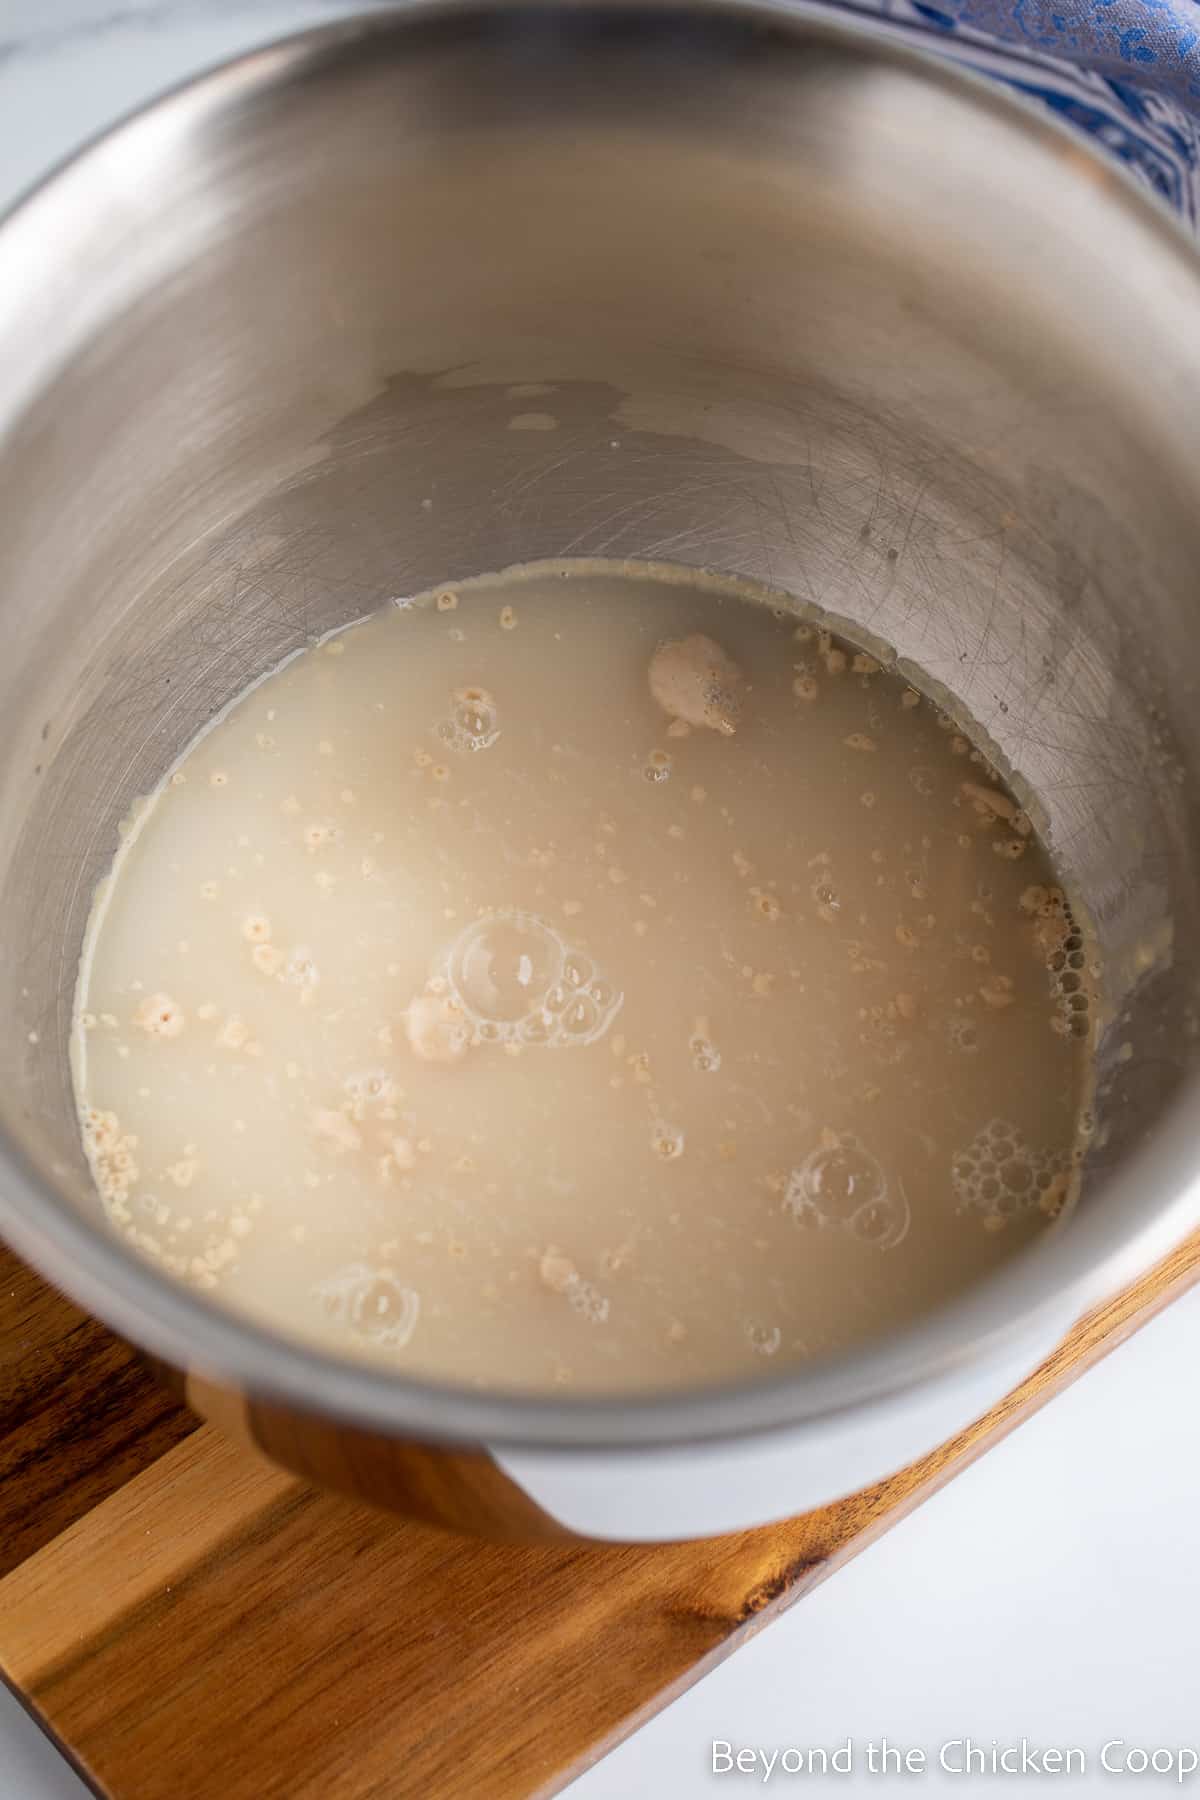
column 950, row 401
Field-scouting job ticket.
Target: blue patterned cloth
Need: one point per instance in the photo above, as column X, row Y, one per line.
column 1126, row 73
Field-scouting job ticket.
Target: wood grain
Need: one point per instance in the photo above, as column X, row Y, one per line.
column 79, row 1414
column 214, row 1628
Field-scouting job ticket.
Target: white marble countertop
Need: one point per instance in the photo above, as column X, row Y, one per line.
column 1050, row 1592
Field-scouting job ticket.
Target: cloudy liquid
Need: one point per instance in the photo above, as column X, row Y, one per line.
column 584, row 977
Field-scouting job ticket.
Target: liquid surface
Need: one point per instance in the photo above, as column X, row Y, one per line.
column 587, row 978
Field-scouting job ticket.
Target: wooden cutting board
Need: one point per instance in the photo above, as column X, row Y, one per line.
column 191, row 1624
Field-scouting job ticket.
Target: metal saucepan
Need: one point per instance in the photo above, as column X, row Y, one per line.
column 864, row 332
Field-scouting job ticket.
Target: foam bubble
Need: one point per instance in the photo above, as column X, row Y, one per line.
column 579, row 1020
column 367, row 1088
column 472, row 724
column 764, row 1340
column 841, row 1185
column 828, row 901
column 578, row 970
column 666, row 1141
column 371, row 1303
column 502, row 968
column 517, row 981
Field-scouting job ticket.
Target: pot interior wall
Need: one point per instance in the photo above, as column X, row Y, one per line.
column 261, row 384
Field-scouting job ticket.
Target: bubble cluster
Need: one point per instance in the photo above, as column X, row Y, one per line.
column 666, row 1141
column 580, row 1006
column 369, row 1088
column 584, row 1298
column 557, row 1272
column 515, row 981
column 840, row 1185
column 764, row 1340
column 697, row 683
column 999, row 1174
column 371, row 1303
column 1058, row 938
column 110, row 1151
column 472, row 724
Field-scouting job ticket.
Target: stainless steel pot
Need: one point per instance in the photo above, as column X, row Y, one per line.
column 816, row 313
